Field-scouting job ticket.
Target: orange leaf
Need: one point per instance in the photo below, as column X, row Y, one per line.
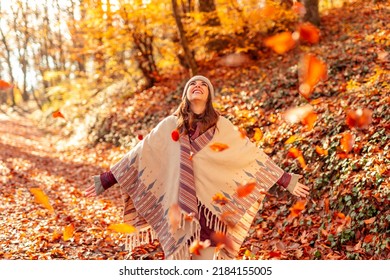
column 311, row 70
column 280, row 43
column 41, row 197
column 326, row 205
column 122, row 228
column 68, row 232
column 308, row 32
column 246, row 188
column 197, row 246
column 225, row 217
column 218, row 147
column 292, row 139
column 340, row 215
column 221, row 240
column 258, row 134
column 321, row 151
column 268, row 11
column 347, row 142
column 361, row 118
column 297, row 208
column 58, row 114
column 174, row 215
column 369, row 221
column 220, row 199
column 309, row 120
column 296, row 153
column 4, row 85
column 175, row 135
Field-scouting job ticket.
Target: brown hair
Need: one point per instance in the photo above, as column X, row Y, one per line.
column 187, row 118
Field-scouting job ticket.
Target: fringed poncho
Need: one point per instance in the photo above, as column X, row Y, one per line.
column 160, row 173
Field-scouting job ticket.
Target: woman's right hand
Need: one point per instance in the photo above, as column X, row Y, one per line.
column 90, row 191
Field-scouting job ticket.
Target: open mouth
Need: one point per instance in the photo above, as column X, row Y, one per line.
column 197, row 92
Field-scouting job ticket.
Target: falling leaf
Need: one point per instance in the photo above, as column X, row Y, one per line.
column 68, row 232
column 347, row 142
column 242, row 132
column 218, row 147
column 122, row 228
column 360, row 118
column 226, row 218
column 4, row 85
column 189, row 217
column 309, row 33
column 299, row 8
column 197, row 246
column 258, row 134
column 174, row 215
column 311, row 71
column 58, row 114
column 191, row 155
column 309, row 120
column 267, row 11
column 41, row 197
column 246, row 188
column 175, row 135
column 280, row 43
column 297, row 208
column 221, row 240
column 321, row 151
column 369, row 221
column 219, row 199
column 297, row 154
column 297, row 114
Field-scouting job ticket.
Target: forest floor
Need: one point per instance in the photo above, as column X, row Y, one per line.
column 60, row 223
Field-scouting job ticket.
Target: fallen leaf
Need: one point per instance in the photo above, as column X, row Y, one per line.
column 297, row 154
column 41, row 198
column 309, row 120
column 293, row 138
column 321, row 151
column 218, row 147
column 368, row 238
column 280, row 43
column 68, row 232
column 246, row 188
column 258, row 134
column 122, row 228
column 369, row 221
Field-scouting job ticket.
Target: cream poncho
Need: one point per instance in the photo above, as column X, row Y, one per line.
column 159, row 173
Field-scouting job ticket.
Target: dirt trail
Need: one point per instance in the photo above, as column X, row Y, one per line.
column 30, row 158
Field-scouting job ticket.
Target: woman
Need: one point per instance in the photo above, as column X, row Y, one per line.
column 180, row 183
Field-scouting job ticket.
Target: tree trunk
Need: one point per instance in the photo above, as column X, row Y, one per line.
column 312, row 14
column 183, row 40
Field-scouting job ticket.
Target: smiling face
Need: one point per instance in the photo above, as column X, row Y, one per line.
column 198, row 92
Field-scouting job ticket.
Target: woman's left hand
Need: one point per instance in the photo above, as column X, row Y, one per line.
column 301, row 190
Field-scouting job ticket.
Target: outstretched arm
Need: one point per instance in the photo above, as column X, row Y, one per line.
column 100, row 184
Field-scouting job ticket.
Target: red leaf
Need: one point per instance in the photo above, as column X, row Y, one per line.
column 4, row 85
column 218, row 147
column 360, row 118
column 246, row 188
column 280, row 43
column 309, row 33
column 58, row 114
column 175, row 135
